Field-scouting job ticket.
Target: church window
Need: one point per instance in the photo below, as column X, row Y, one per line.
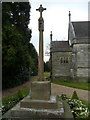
column 67, row 60
column 64, row 60
column 61, row 60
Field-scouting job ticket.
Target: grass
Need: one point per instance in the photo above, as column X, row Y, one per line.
column 47, row 74
column 10, row 101
column 20, row 93
column 84, row 86
column 86, row 103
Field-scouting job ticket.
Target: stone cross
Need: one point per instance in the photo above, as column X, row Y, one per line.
column 41, row 9
column 40, row 58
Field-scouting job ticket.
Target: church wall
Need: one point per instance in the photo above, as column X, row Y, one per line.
column 71, row 34
column 82, row 72
column 81, row 52
column 61, row 64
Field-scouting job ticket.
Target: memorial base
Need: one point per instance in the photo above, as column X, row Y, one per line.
column 62, row 112
column 39, row 105
column 40, row 90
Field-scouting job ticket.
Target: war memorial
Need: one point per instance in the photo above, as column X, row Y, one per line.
column 40, row 104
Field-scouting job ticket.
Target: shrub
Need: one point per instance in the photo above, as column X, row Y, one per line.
column 19, row 95
column 75, row 96
column 64, row 97
column 79, row 110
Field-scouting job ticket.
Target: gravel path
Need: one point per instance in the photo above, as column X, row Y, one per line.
column 11, row 91
column 59, row 89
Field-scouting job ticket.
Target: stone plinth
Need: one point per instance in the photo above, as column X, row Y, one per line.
column 61, row 112
column 40, row 90
column 39, row 104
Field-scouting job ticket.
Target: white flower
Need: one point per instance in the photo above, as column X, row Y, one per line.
column 80, row 108
column 2, row 106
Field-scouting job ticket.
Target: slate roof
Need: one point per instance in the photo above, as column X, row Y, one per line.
column 57, row 46
column 80, row 28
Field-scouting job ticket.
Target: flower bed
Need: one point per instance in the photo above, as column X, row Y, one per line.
column 78, row 109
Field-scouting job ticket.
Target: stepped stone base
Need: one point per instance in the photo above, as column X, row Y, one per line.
column 39, row 104
column 47, row 110
column 61, row 112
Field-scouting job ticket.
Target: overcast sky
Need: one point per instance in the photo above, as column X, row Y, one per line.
column 56, row 19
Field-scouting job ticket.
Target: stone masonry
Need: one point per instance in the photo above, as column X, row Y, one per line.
column 70, row 59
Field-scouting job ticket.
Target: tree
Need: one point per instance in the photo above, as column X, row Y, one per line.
column 14, row 56
column 17, row 14
column 47, row 66
column 18, row 54
column 33, row 59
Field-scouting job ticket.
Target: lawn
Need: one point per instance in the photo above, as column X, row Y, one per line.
column 86, row 103
column 84, row 86
column 47, row 74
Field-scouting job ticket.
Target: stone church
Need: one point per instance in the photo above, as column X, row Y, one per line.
column 69, row 59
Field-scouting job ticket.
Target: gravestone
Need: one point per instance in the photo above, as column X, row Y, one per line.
column 40, row 104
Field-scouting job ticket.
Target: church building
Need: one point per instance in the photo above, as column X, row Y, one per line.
column 70, row 59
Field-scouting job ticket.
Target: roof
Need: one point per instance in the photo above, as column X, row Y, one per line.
column 58, row 46
column 80, row 28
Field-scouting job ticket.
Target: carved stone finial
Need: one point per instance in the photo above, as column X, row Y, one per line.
column 51, row 36
column 69, row 16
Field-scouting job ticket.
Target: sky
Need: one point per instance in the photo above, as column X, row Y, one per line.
column 55, row 19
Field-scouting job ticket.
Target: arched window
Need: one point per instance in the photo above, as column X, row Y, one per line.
column 67, row 60
column 64, row 60
column 61, row 60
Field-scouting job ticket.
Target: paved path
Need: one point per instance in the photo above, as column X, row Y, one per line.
column 59, row 89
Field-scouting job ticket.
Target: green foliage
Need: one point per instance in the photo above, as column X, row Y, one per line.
column 19, row 56
column 75, row 96
column 10, row 101
column 47, row 74
column 19, row 94
column 33, row 59
column 47, row 66
column 15, row 57
column 64, row 97
column 17, row 14
column 78, row 108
